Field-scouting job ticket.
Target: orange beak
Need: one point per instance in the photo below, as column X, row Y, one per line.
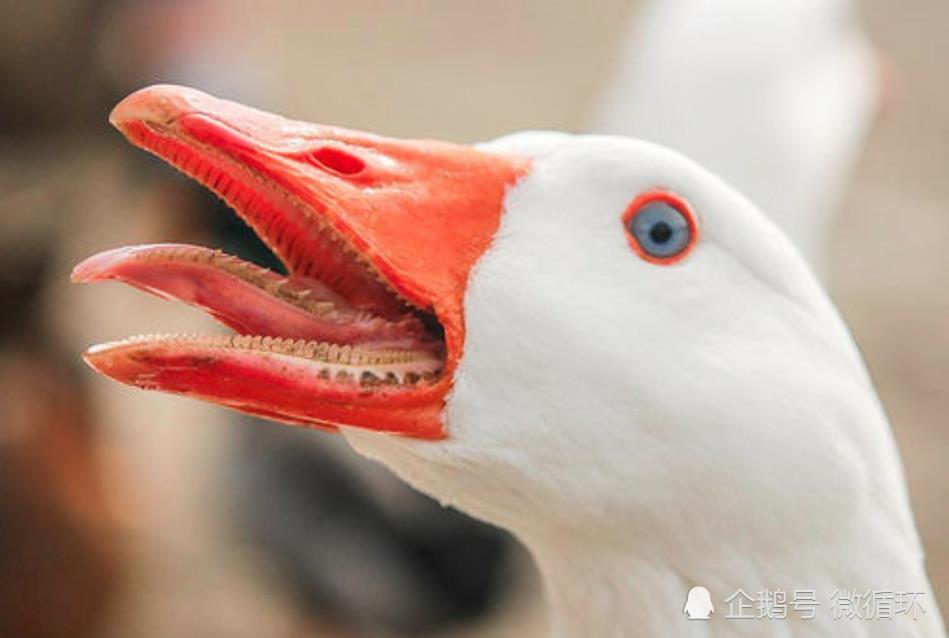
column 378, row 237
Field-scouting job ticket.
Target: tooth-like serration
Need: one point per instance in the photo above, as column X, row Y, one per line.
column 282, row 288
column 297, row 236
column 254, row 203
column 367, row 366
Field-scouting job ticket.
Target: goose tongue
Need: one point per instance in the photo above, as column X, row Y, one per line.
column 250, row 299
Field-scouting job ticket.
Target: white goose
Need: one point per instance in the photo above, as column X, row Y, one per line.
column 590, row 341
column 775, row 96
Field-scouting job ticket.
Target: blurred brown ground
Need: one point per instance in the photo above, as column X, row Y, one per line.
column 463, row 71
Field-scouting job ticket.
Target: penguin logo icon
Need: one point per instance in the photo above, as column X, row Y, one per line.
column 698, row 604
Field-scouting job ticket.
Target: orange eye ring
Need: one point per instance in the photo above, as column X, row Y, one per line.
column 660, row 227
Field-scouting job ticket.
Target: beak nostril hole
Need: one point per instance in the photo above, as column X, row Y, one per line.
column 337, row 160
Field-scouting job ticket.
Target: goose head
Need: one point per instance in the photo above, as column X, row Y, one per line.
column 595, row 357
column 590, row 341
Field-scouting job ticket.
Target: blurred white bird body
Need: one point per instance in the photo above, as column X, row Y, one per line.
column 774, row 96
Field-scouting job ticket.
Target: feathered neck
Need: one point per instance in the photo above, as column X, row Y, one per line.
column 636, row 584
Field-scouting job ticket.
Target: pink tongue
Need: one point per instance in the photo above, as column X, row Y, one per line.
column 250, row 299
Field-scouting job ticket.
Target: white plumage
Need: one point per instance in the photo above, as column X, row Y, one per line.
column 644, row 429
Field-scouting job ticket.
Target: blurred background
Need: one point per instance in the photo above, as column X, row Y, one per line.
column 130, row 514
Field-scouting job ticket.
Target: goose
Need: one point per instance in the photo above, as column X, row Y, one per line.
column 589, row 341
column 776, row 97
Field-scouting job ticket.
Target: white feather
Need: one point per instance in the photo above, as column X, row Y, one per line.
column 645, row 429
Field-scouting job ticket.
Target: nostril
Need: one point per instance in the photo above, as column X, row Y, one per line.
column 337, row 160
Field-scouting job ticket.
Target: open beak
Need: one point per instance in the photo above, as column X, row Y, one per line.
column 378, row 237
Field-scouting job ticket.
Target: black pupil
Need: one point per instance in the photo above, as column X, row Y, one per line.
column 660, row 233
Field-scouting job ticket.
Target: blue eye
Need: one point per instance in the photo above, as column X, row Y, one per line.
column 660, row 227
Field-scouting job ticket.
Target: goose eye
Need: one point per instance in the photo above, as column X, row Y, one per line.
column 660, row 227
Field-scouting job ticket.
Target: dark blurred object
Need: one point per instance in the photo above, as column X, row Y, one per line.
column 363, row 550
column 24, row 267
column 59, row 564
column 59, row 567
column 48, row 67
